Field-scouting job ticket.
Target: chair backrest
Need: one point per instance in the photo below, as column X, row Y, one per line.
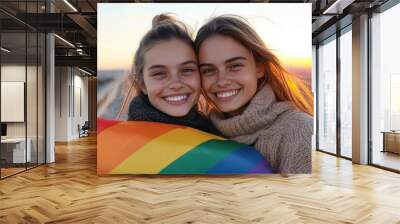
column 86, row 125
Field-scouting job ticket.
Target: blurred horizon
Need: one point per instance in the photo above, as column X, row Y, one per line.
column 119, row 31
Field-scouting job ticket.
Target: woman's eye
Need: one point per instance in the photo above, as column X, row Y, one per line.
column 236, row 67
column 208, row 71
column 158, row 75
column 188, row 71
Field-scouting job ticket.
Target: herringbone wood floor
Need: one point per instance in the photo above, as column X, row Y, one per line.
column 69, row 191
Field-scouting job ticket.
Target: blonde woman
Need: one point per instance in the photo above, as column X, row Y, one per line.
column 255, row 100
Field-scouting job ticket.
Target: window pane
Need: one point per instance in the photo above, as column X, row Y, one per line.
column 385, row 89
column 327, row 97
column 346, row 94
column 31, row 97
column 13, row 86
column 41, row 98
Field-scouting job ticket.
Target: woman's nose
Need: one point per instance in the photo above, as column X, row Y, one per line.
column 223, row 81
column 176, row 84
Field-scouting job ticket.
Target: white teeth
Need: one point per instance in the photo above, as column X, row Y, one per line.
column 227, row 94
column 176, row 98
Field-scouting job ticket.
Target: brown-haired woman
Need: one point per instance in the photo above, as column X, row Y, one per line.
column 256, row 101
column 166, row 77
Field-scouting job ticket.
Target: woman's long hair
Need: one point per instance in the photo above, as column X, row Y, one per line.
column 286, row 86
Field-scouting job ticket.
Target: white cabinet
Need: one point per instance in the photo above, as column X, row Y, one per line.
column 17, row 148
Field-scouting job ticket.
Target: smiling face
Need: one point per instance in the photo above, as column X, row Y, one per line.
column 229, row 73
column 171, row 77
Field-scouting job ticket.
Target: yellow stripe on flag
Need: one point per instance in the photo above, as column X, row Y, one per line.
column 151, row 158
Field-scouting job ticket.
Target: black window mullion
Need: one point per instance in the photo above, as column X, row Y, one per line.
column 316, row 97
column 45, row 93
column 369, row 90
column 0, row 100
column 338, row 74
column 26, row 87
column 37, row 91
column 44, row 79
column 73, row 92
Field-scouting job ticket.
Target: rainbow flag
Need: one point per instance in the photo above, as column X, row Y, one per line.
column 139, row 147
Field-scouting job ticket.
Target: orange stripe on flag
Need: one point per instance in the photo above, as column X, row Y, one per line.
column 119, row 141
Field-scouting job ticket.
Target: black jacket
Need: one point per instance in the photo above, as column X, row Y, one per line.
column 140, row 109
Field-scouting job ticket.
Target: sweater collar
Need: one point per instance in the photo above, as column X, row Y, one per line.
column 141, row 109
column 260, row 113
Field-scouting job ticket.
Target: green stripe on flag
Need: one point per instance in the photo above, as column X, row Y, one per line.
column 202, row 157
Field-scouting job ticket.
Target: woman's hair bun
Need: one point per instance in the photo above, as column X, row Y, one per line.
column 164, row 18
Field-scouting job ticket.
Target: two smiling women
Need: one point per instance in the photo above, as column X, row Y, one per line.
column 250, row 97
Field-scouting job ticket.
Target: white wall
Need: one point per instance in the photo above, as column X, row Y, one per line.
column 12, row 101
column 61, row 103
column 80, row 89
column 71, row 87
column 14, row 73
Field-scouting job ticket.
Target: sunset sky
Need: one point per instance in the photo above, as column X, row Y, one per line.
column 285, row 28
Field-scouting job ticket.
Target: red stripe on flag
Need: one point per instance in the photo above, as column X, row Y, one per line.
column 103, row 124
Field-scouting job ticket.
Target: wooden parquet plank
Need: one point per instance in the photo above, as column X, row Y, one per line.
column 69, row 191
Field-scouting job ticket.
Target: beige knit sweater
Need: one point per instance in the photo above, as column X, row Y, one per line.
column 278, row 131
